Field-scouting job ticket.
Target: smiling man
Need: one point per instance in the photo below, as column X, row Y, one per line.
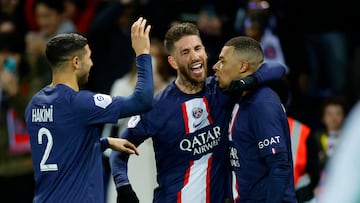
column 187, row 126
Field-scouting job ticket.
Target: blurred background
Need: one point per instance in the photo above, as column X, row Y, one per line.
column 318, row 42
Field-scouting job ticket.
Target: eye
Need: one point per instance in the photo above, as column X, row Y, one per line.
column 221, row 62
column 185, row 52
column 198, row 48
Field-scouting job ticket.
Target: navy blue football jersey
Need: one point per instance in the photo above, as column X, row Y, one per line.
column 189, row 134
column 65, row 129
column 189, row 142
column 258, row 128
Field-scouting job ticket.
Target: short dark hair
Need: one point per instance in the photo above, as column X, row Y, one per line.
column 245, row 44
column 63, row 47
column 178, row 31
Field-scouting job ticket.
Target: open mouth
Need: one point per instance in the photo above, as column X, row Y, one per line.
column 197, row 68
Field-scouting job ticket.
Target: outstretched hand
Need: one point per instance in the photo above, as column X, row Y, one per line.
column 140, row 36
column 123, row 145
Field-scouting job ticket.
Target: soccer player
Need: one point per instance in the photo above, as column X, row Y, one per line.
column 64, row 122
column 186, row 126
column 259, row 136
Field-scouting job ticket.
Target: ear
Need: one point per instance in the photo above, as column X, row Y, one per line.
column 245, row 66
column 172, row 62
column 75, row 62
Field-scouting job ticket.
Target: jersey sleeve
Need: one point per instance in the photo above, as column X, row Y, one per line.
column 137, row 132
column 270, row 71
column 102, row 108
column 95, row 109
column 142, row 98
column 119, row 167
column 280, row 172
column 268, row 126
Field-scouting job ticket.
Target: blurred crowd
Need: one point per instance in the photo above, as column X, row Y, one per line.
column 318, row 42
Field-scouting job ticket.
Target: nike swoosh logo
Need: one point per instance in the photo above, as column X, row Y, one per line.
column 201, row 122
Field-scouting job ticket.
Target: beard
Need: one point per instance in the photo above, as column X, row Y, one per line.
column 83, row 79
column 189, row 81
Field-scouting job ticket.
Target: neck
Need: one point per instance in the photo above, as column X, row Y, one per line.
column 65, row 79
column 189, row 87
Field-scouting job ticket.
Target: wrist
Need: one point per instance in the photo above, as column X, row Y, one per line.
column 105, row 143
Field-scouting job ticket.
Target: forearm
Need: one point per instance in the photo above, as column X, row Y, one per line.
column 270, row 72
column 280, row 173
column 142, row 98
column 118, row 164
column 104, row 143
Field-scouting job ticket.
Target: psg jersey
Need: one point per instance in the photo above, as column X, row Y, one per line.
column 65, row 142
column 258, row 128
column 190, row 146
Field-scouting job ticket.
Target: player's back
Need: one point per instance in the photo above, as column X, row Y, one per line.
column 65, row 146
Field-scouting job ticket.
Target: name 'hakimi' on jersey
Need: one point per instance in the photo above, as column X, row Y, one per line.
column 42, row 114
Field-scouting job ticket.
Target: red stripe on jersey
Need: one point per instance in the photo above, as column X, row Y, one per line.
column 234, row 116
column 187, row 174
column 236, row 195
column 178, row 199
column 186, row 181
column 211, row 120
column 237, row 189
column 186, row 119
column 208, row 180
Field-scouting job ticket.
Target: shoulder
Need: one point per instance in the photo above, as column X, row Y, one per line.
column 167, row 93
column 263, row 100
column 264, row 94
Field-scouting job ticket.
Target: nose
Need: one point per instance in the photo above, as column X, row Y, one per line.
column 215, row 66
column 194, row 56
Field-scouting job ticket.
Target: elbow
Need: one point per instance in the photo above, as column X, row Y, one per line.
column 148, row 102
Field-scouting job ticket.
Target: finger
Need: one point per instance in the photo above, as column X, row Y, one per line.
column 131, row 147
column 135, row 26
column 142, row 26
column 136, row 151
column 147, row 31
column 135, row 23
column 128, row 151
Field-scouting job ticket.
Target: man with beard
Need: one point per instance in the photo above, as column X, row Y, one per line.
column 187, row 126
column 64, row 122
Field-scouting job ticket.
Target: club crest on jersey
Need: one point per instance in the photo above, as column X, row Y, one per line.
column 102, row 100
column 197, row 112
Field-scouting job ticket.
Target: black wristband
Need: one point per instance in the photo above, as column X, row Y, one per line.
column 125, row 194
column 238, row 86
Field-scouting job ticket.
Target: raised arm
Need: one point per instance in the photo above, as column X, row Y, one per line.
column 141, row 99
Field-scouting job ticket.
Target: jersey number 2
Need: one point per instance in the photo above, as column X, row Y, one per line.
column 43, row 165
